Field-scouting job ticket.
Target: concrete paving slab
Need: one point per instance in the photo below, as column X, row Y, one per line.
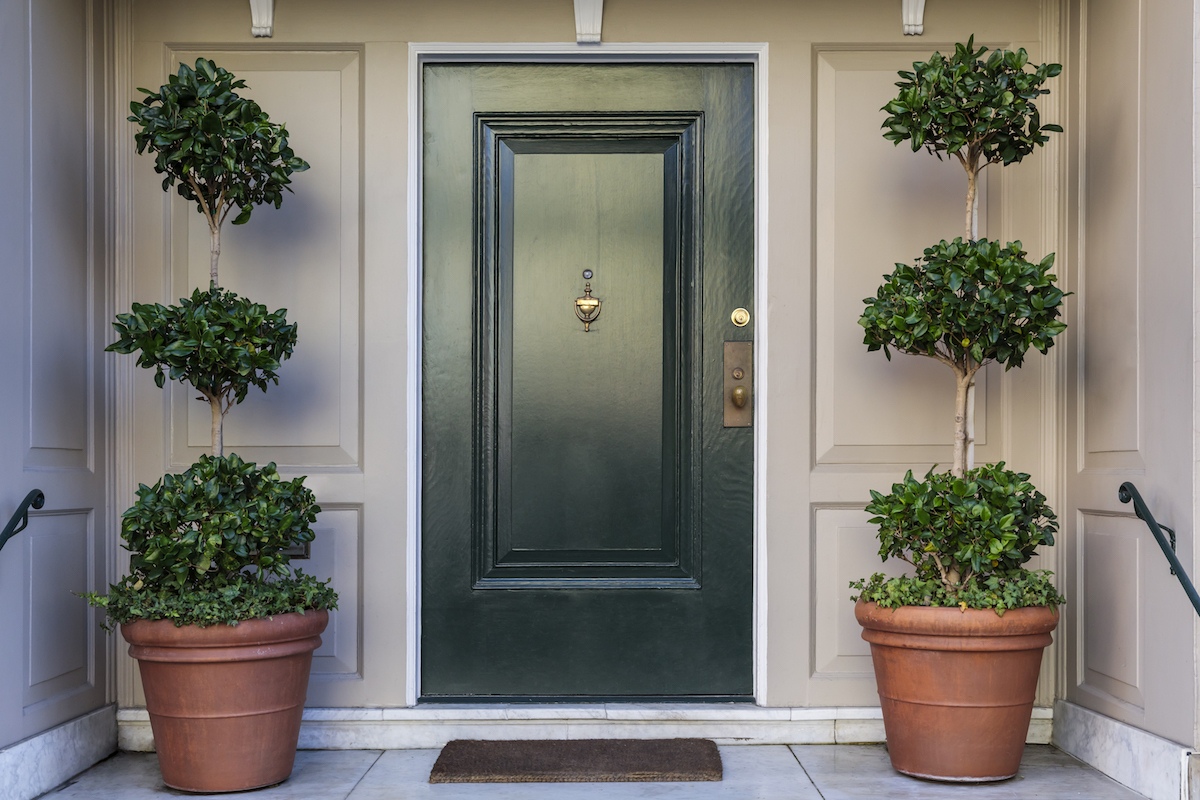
column 764, row 772
column 857, row 772
column 760, row 772
column 318, row 775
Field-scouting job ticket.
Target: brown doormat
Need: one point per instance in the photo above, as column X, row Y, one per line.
column 577, row 761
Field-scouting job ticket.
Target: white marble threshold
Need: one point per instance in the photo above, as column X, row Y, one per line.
column 36, row 765
column 431, row 726
column 1156, row 767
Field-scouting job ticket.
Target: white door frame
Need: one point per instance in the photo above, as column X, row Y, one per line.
column 420, row 54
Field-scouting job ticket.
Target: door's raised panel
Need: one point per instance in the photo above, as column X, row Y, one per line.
column 877, row 204
column 303, row 257
column 58, row 314
column 336, row 553
column 58, row 634
column 845, row 548
column 1111, row 605
column 571, row 212
column 1109, row 283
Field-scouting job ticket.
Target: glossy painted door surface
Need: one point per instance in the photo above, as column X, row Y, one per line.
column 587, row 525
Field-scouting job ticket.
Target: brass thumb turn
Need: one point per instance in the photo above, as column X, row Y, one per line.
column 738, row 396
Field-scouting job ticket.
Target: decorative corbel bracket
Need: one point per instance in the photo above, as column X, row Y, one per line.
column 913, row 12
column 262, row 18
column 589, row 16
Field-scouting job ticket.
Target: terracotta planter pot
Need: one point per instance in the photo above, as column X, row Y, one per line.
column 957, row 687
column 225, row 701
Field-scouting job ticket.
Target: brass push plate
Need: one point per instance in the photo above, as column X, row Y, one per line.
column 739, row 384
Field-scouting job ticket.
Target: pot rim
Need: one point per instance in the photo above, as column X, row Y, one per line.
column 953, row 621
column 260, row 630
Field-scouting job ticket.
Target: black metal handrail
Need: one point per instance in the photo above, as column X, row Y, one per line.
column 20, row 517
column 1129, row 492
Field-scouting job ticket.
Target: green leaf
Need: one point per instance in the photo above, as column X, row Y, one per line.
column 242, row 599
column 204, row 341
column 968, row 300
column 985, row 526
column 188, row 532
column 212, row 143
column 949, row 103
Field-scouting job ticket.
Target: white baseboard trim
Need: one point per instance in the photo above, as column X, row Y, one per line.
column 36, row 765
column 431, row 726
column 1149, row 764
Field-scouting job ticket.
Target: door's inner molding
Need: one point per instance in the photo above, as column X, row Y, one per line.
column 500, row 561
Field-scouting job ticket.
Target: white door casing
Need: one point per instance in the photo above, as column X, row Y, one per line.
column 420, row 54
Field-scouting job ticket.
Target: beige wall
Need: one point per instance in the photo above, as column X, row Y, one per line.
column 843, row 206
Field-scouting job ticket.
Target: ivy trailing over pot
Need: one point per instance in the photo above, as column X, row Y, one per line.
column 966, row 303
column 239, row 600
column 209, row 545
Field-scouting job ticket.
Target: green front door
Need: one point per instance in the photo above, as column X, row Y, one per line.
column 586, row 517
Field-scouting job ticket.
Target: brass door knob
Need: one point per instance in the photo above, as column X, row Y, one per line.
column 739, row 395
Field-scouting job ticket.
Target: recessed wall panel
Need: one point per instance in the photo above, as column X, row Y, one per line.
column 845, row 549
column 1111, row 605
column 335, row 554
column 1108, row 300
column 58, row 313
column 303, row 257
column 58, row 640
column 879, row 204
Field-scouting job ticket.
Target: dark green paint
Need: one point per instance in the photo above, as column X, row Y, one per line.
column 586, row 519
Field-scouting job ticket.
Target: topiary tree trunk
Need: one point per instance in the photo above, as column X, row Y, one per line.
column 220, row 150
column 981, row 112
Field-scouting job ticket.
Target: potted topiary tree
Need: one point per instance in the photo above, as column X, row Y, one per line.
column 958, row 644
column 222, row 627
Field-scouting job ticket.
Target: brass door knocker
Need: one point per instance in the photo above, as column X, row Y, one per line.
column 587, row 308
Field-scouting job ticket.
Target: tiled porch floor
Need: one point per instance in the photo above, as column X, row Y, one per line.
column 763, row 772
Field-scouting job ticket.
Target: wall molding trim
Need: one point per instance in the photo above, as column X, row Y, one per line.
column 119, row 371
column 433, row 725
column 1055, row 31
column 36, row 765
column 1146, row 763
